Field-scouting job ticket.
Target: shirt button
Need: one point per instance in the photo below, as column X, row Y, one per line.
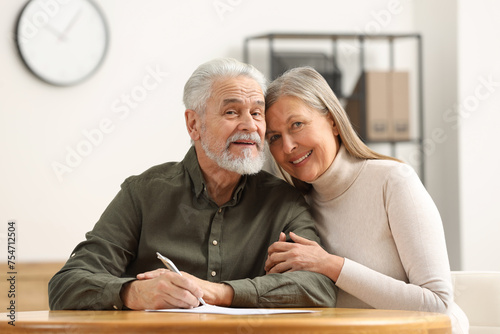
column 115, row 307
column 220, row 210
column 73, row 255
column 214, row 242
column 213, row 273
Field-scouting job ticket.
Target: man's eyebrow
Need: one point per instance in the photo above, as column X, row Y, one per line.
column 225, row 102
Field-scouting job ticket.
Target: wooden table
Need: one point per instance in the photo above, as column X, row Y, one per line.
column 328, row 320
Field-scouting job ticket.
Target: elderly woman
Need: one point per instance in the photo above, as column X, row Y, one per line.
column 383, row 236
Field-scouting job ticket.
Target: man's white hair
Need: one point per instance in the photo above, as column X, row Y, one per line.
column 198, row 88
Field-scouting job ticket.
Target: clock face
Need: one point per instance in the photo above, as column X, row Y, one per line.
column 62, row 41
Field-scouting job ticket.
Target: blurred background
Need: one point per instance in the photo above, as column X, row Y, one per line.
column 65, row 150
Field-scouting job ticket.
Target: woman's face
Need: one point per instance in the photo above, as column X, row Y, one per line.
column 303, row 141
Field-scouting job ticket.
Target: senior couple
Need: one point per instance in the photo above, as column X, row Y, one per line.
column 245, row 238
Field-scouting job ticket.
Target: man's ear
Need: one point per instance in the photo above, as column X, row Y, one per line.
column 193, row 124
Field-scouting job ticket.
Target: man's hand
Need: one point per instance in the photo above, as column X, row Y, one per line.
column 213, row 293
column 165, row 290
column 219, row 294
column 303, row 254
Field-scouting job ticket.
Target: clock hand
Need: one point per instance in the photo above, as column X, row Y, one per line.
column 70, row 24
column 54, row 31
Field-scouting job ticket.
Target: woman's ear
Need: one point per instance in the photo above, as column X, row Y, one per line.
column 335, row 130
column 333, row 124
column 193, row 124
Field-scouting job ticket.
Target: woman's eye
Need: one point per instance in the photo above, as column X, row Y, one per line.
column 273, row 138
column 297, row 125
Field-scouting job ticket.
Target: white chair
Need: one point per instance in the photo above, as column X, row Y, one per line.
column 478, row 295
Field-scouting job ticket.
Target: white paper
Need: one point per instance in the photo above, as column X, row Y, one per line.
column 212, row 309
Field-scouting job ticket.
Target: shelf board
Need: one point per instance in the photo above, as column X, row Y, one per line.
column 332, row 36
column 413, row 141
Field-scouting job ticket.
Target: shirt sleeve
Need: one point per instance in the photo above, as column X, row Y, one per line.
column 289, row 289
column 92, row 276
column 418, row 233
column 293, row 289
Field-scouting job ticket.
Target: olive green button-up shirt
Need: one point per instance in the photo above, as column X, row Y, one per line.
column 167, row 209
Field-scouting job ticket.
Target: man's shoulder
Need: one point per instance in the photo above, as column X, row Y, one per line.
column 274, row 196
column 162, row 172
column 265, row 181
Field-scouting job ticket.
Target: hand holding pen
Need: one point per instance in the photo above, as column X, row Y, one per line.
column 171, row 266
column 162, row 289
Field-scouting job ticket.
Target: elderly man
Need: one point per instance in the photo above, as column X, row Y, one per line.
column 214, row 214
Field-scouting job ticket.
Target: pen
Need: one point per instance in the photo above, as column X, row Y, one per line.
column 170, row 265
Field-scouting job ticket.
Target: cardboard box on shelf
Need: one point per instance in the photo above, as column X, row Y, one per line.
column 382, row 114
column 400, row 105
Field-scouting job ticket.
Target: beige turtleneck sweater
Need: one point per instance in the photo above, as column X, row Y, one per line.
column 379, row 217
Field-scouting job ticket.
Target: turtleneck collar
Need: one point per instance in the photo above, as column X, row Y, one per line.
column 338, row 177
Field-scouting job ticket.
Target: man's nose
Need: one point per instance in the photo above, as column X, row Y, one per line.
column 247, row 123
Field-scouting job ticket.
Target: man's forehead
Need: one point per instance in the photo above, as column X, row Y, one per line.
column 239, row 87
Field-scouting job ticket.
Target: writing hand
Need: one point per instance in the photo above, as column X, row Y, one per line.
column 157, row 290
column 213, row 293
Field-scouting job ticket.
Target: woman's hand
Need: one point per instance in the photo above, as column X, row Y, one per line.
column 304, row 254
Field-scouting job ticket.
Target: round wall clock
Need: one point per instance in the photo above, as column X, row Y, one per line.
column 62, row 41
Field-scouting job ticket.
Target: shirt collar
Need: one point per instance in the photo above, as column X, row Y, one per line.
column 194, row 170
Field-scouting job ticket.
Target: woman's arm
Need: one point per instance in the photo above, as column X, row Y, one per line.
column 417, row 231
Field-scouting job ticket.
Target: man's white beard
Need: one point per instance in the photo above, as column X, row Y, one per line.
column 226, row 160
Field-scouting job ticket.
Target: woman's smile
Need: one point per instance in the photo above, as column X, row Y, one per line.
column 296, row 162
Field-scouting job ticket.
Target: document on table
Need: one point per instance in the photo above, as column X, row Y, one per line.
column 212, row 309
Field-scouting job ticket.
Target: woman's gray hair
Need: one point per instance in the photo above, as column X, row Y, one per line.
column 199, row 86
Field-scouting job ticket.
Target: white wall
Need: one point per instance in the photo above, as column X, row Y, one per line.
column 39, row 123
column 437, row 21
column 478, row 118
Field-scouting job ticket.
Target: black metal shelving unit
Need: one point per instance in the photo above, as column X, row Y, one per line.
column 361, row 38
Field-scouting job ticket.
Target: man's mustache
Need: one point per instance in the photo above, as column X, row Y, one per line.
column 253, row 136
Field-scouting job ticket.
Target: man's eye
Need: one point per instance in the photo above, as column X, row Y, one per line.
column 297, row 125
column 230, row 112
